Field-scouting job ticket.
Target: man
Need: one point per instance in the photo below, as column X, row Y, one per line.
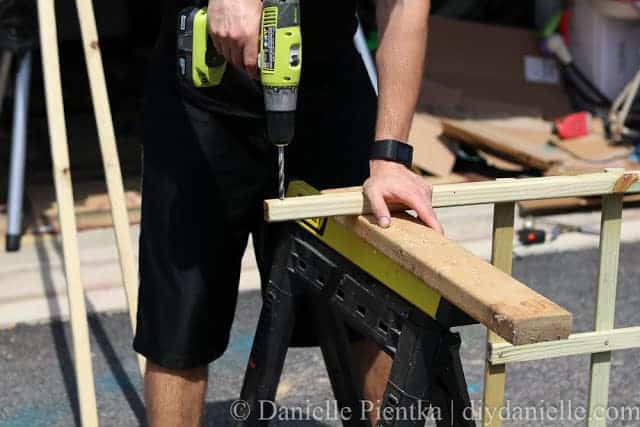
column 207, row 168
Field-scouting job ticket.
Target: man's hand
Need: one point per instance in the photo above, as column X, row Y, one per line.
column 234, row 27
column 393, row 183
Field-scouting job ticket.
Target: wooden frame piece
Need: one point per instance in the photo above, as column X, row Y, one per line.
column 110, row 160
column 64, row 192
column 582, row 343
column 502, row 258
column 605, row 304
column 473, row 193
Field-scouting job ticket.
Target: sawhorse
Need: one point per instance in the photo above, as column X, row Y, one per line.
column 426, row 371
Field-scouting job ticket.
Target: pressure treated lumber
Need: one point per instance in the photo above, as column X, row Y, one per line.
column 471, row 193
column 492, row 297
column 582, row 343
column 64, row 194
column 495, row 376
column 610, row 228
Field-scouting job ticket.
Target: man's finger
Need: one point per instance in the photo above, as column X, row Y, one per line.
column 379, row 207
column 250, row 59
column 427, row 214
column 217, row 45
column 235, row 55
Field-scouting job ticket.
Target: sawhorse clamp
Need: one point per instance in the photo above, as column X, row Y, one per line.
column 319, row 268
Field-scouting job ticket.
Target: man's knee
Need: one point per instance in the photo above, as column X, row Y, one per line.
column 196, row 374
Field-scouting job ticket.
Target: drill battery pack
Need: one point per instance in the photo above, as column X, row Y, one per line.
column 198, row 62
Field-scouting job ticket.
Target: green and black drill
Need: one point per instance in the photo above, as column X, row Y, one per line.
column 279, row 60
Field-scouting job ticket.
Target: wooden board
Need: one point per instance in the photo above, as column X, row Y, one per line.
column 593, row 148
column 470, row 193
column 92, row 206
column 500, row 163
column 523, row 141
column 494, row 298
column 566, row 204
column 529, row 142
column 576, row 167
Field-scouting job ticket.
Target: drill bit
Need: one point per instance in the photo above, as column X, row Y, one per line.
column 281, row 171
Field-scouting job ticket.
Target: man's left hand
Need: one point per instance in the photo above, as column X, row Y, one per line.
column 391, row 182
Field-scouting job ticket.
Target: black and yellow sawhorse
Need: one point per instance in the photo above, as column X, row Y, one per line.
column 339, row 278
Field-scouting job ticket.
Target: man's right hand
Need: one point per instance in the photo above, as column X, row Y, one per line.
column 234, row 27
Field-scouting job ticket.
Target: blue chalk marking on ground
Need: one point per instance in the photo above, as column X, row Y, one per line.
column 240, row 344
column 107, row 384
column 35, row 416
column 47, row 415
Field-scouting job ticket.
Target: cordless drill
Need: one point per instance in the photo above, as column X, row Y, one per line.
column 280, row 61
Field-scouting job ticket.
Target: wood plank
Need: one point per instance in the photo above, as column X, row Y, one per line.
column 526, row 145
column 593, row 148
column 110, row 159
column 503, row 304
column 62, row 178
column 566, row 204
column 582, row 343
column 471, row 193
column 92, row 206
column 610, row 229
column 530, row 142
column 577, row 167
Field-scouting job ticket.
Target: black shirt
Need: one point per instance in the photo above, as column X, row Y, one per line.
column 327, row 32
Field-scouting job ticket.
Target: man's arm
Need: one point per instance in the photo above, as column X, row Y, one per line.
column 400, row 59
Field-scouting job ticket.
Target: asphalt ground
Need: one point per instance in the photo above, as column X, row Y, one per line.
column 37, row 386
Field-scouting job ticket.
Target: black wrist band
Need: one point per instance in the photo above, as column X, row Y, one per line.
column 392, row 150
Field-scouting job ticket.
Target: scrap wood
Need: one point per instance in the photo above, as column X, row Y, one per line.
column 505, row 305
column 516, row 141
column 92, row 207
column 549, row 206
column 577, row 167
column 529, row 141
column 593, row 148
column 500, row 163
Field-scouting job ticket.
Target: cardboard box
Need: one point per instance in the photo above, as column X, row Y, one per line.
column 484, row 68
column 607, row 50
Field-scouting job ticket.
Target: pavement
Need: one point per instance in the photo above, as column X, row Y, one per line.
column 37, row 387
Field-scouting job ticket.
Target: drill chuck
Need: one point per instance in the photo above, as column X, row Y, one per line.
column 280, row 127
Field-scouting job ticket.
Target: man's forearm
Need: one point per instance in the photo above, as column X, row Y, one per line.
column 400, row 61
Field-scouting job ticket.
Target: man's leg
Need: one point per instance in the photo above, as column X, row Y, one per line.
column 201, row 186
column 174, row 397
column 375, row 367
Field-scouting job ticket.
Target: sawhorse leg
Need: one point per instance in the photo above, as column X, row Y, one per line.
column 426, row 367
column 336, row 351
column 426, row 380
column 269, row 346
column 273, row 334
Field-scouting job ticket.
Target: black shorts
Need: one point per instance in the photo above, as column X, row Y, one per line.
column 205, row 176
